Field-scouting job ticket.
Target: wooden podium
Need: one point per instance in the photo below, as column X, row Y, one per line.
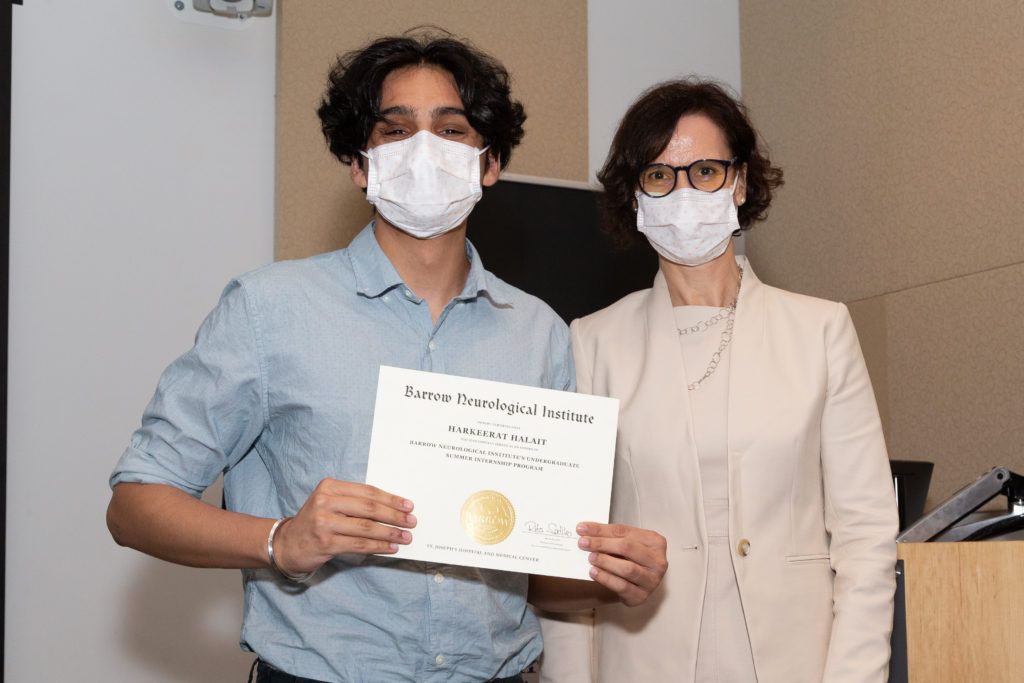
column 964, row 606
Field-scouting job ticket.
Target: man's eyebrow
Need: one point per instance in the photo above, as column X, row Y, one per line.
column 446, row 111
column 398, row 110
column 404, row 110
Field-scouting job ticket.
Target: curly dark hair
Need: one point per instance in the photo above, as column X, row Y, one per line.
column 351, row 105
column 646, row 130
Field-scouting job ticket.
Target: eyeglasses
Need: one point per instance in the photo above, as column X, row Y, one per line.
column 706, row 175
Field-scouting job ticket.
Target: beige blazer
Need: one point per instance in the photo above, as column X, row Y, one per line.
column 812, row 512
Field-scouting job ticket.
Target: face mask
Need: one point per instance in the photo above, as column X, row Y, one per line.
column 423, row 185
column 688, row 226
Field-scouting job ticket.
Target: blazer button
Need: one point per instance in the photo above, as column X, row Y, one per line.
column 743, row 547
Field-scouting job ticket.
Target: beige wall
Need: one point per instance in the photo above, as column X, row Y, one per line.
column 898, row 126
column 542, row 44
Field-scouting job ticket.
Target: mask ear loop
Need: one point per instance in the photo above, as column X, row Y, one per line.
column 639, row 212
column 732, row 191
column 372, row 185
column 735, row 180
column 479, row 173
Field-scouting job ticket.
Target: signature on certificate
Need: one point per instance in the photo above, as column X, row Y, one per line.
column 549, row 529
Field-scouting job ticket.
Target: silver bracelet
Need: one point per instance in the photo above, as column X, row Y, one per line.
column 295, row 578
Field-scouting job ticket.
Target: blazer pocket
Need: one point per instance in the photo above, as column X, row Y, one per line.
column 808, row 559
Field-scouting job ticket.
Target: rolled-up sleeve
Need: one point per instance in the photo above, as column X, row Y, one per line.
column 209, row 407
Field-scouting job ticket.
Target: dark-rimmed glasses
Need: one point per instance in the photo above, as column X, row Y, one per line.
column 706, row 175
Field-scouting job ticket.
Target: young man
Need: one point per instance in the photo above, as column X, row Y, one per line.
column 278, row 394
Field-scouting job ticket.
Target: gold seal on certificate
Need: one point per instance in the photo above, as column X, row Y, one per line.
column 488, row 517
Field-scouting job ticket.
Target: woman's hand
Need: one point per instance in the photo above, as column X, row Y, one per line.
column 626, row 560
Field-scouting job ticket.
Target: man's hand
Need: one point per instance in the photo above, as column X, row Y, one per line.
column 342, row 517
column 628, row 561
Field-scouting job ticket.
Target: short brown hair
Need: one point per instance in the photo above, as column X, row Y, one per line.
column 646, row 130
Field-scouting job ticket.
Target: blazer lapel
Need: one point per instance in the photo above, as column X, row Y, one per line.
column 746, row 366
column 664, row 377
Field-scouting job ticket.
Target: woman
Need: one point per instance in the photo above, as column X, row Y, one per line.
column 748, row 431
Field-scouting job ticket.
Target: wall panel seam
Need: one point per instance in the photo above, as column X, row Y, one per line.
column 936, row 282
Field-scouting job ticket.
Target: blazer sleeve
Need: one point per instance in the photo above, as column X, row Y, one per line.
column 568, row 647
column 568, row 638
column 860, row 513
column 583, row 357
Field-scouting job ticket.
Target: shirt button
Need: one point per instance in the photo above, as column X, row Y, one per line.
column 439, row 660
column 438, row 577
column 407, row 293
column 743, row 547
column 386, row 298
column 431, row 345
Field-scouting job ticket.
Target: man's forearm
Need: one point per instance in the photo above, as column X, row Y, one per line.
column 168, row 523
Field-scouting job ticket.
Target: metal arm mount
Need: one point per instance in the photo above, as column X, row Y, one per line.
column 938, row 525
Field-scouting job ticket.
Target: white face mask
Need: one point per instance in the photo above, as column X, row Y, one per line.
column 423, row 184
column 688, row 226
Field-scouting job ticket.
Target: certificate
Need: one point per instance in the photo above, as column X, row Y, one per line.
column 500, row 474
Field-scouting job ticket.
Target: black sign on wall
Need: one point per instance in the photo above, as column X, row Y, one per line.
column 547, row 241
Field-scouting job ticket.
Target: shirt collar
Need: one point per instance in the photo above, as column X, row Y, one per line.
column 375, row 275
column 373, row 271
column 480, row 282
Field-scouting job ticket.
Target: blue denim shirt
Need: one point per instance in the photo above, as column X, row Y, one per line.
column 278, row 393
